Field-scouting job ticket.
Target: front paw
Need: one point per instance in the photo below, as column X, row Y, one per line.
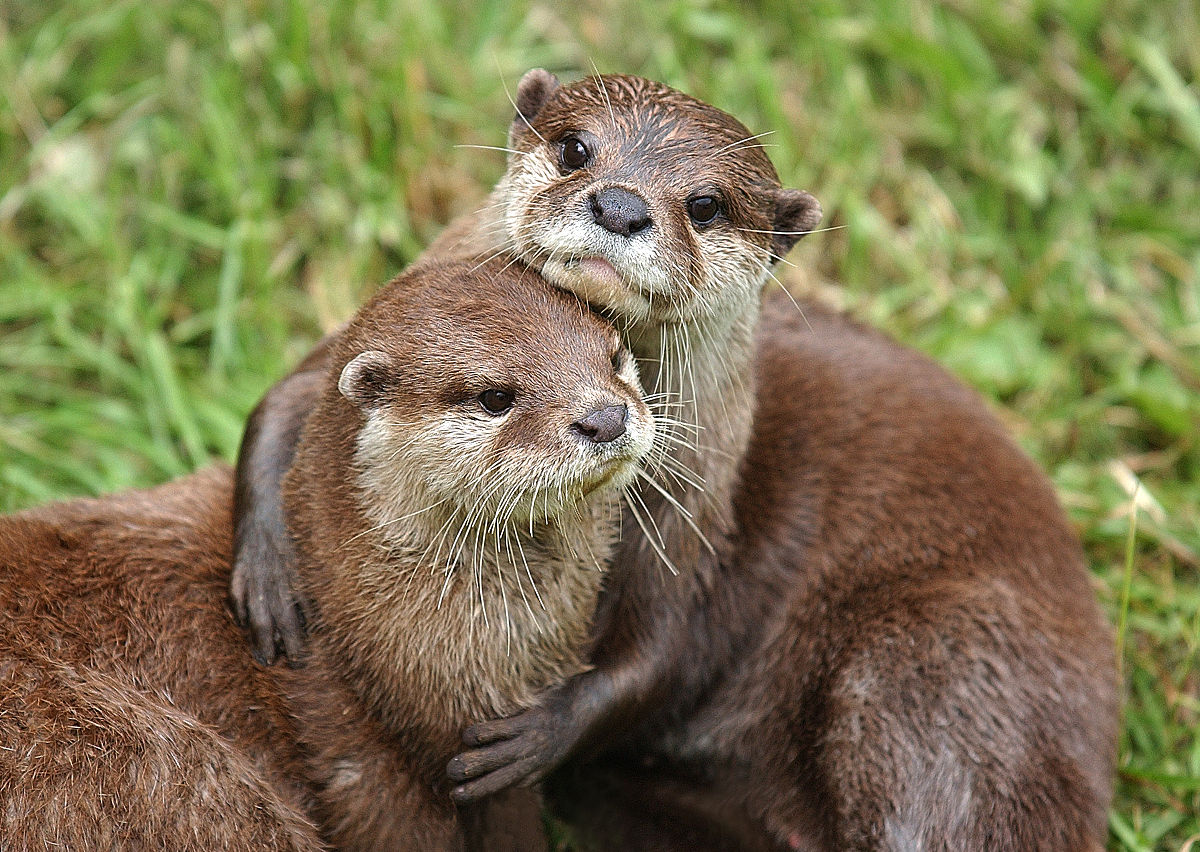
column 519, row 750
column 263, row 600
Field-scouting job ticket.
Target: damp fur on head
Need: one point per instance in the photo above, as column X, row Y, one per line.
column 667, row 149
column 426, row 438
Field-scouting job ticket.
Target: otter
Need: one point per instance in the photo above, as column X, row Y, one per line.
column 870, row 626
column 454, row 498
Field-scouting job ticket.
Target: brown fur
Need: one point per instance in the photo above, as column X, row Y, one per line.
column 922, row 663
column 118, row 727
column 129, row 714
column 883, row 637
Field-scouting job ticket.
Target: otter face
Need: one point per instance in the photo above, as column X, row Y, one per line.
column 645, row 202
column 490, row 396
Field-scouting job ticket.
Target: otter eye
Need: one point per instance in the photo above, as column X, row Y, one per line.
column 703, row 209
column 496, row 401
column 618, row 361
column 573, row 153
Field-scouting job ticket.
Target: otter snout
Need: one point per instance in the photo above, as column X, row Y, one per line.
column 604, row 425
column 620, row 211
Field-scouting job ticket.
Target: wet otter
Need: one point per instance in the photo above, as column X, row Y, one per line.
column 454, row 497
column 844, row 659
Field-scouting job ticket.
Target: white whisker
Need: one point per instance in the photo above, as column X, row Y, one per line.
column 795, row 233
column 731, row 145
column 494, row 148
column 653, row 540
column 517, row 109
column 683, row 513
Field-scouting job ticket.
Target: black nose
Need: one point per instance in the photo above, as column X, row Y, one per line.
column 620, row 211
column 604, row 424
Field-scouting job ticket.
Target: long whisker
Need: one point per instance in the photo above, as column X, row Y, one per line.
column 775, row 258
column 398, row 520
column 493, row 148
column 720, row 151
column 517, row 110
column 529, row 574
column 604, row 91
column 794, row 233
column 655, row 541
column 791, row 298
column 508, row 536
column 683, row 512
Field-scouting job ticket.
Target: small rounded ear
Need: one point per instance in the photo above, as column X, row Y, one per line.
column 366, row 380
column 533, row 91
column 796, row 213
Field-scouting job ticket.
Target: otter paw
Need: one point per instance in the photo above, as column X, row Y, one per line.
column 516, row 751
column 264, row 604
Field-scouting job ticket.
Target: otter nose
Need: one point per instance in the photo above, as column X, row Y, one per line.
column 620, row 211
column 604, row 424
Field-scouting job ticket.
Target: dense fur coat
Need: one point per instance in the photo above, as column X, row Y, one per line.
column 131, row 719
column 127, row 714
column 921, row 663
column 852, row 615
column 130, row 714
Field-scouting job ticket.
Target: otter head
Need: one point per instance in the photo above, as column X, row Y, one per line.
column 649, row 204
column 488, row 396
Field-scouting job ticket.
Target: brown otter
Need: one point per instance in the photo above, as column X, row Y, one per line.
column 454, row 496
column 880, row 634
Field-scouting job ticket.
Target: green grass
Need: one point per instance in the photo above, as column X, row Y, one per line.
column 189, row 191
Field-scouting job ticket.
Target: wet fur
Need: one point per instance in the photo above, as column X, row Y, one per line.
column 885, row 638
column 129, row 714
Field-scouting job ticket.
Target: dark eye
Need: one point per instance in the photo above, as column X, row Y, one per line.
column 618, row 361
column 573, row 153
column 703, row 209
column 495, row 401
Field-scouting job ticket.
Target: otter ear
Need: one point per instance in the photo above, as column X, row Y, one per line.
column 367, row 379
column 533, row 91
column 796, row 213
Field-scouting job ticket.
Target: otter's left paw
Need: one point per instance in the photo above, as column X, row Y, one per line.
column 519, row 750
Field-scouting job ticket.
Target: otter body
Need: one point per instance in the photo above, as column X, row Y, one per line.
column 847, row 613
column 128, row 710
column 921, row 665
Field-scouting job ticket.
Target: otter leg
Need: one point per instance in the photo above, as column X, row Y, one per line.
column 261, row 588
column 967, row 717
column 88, row 763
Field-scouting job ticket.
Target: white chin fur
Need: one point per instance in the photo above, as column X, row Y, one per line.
column 606, row 293
column 638, row 264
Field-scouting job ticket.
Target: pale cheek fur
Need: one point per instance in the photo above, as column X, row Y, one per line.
column 459, row 463
column 435, row 460
column 737, row 272
column 525, row 178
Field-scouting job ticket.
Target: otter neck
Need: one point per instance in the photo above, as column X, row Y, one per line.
column 703, row 368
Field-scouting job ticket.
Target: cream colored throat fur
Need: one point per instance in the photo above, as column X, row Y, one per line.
column 700, row 386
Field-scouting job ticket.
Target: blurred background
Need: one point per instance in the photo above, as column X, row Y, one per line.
column 191, row 191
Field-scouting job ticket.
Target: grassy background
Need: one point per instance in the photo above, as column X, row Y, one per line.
column 190, row 190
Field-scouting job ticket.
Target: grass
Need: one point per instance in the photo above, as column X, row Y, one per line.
column 190, row 191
